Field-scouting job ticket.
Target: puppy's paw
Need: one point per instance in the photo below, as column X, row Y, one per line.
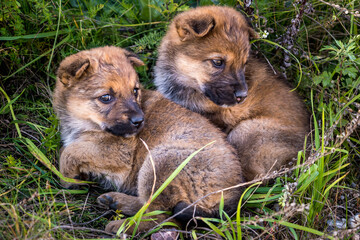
column 128, row 204
column 165, row 235
column 107, row 200
column 128, row 225
column 113, row 226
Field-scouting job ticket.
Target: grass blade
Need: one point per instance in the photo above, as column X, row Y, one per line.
column 36, row 59
column 214, row 228
column 137, row 217
column 44, row 160
column 238, row 223
column 302, row 228
column 36, row 35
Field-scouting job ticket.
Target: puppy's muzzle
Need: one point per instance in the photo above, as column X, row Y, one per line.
column 241, row 88
column 137, row 120
column 240, row 95
column 129, row 127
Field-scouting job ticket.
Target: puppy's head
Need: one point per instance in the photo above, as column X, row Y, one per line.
column 99, row 89
column 209, row 48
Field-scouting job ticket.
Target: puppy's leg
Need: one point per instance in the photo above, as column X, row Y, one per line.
column 165, row 159
column 146, row 225
column 80, row 159
column 70, row 162
column 199, row 177
column 263, row 145
column 129, row 205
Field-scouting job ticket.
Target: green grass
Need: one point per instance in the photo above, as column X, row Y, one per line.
column 322, row 60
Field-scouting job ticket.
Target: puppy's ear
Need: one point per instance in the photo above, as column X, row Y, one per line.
column 134, row 59
column 194, row 26
column 253, row 34
column 72, row 67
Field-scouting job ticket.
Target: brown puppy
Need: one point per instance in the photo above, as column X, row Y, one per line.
column 104, row 114
column 204, row 65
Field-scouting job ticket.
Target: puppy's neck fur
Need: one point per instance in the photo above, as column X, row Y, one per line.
column 167, row 82
column 71, row 127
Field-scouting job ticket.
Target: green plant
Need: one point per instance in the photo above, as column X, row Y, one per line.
column 324, row 61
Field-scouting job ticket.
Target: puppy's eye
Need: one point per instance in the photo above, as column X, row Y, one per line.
column 218, row 63
column 107, row 98
column 136, row 92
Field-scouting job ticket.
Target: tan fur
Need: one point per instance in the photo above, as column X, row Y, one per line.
column 119, row 160
column 265, row 121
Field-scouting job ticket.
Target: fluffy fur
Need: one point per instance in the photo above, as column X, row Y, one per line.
column 205, row 65
column 104, row 115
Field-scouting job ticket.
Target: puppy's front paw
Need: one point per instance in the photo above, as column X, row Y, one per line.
column 106, row 201
column 128, row 204
column 130, row 224
column 113, row 226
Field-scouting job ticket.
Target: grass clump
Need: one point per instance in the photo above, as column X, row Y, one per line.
column 315, row 44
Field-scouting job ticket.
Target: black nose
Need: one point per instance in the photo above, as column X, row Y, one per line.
column 136, row 120
column 240, row 95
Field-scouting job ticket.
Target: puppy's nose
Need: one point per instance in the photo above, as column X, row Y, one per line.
column 136, row 120
column 240, row 95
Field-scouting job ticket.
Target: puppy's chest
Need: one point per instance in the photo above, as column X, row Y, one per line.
column 109, row 148
column 123, row 151
column 227, row 118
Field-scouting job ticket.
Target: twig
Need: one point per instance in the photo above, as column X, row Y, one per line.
column 83, row 209
column 154, row 170
column 288, row 39
column 74, row 228
column 93, row 220
column 67, row 210
column 346, row 11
